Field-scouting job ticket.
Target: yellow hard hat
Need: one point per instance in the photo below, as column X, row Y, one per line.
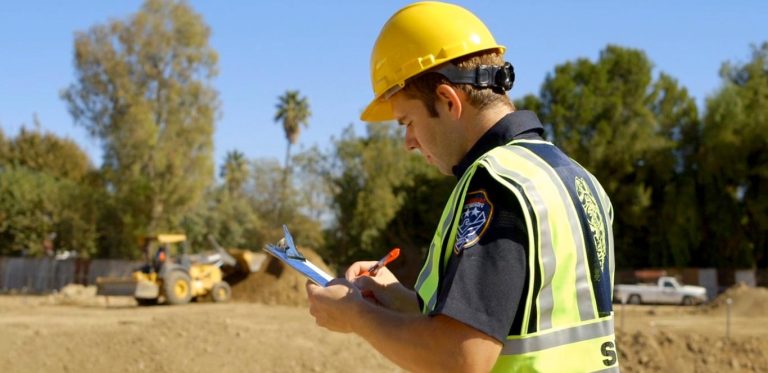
column 418, row 37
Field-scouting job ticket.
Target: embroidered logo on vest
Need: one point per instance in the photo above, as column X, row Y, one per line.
column 595, row 220
column 474, row 220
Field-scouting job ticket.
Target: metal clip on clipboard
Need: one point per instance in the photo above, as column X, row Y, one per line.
column 285, row 250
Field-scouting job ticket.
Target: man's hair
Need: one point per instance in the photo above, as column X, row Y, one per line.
column 423, row 86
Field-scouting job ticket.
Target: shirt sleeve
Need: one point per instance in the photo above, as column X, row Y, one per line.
column 483, row 283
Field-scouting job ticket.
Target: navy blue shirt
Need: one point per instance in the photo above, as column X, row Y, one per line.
column 484, row 283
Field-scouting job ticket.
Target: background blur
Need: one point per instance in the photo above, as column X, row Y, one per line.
column 122, row 119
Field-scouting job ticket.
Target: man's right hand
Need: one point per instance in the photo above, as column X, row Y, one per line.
column 383, row 275
column 384, row 287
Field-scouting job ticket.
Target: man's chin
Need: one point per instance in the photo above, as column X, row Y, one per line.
column 442, row 170
column 432, row 163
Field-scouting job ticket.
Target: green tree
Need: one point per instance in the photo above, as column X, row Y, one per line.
column 414, row 224
column 48, row 153
column 48, row 189
column 144, row 89
column 277, row 203
column 3, row 149
column 229, row 218
column 229, row 215
column 734, row 164
column 234, row 171
column 382, row 196
column 616, row 121
column 35, row 206
column 293, row 112
column 28, row 210
column 674, row 229
column 314, row 193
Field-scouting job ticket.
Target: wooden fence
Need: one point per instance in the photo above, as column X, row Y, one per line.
column 44, row 275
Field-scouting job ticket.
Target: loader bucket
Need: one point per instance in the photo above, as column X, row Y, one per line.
column 246, row 262
column 252, row 261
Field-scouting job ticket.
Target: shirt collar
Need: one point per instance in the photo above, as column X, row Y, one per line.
column 515, row 125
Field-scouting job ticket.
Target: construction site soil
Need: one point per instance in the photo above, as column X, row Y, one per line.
column 267, row 328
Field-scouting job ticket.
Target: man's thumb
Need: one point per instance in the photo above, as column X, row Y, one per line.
column 365, row 283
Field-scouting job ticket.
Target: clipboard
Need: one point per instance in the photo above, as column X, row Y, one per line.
column 285, row 250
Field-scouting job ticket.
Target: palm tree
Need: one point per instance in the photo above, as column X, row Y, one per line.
column 234, row 171
column 293, row 112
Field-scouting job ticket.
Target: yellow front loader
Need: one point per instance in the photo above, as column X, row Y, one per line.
column 178, row 281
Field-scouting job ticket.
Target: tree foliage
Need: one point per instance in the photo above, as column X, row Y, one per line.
column 48, row 192
column 3, row 149
column 253, row 215
column 293, row 112
column 227, row 217
column 734, row 164
column 29, row 202
column 688, row 189
column 279, row 202
column 632, row 132
column 48, row 153
column 234, row 171
column 143, row 88
column 670, row 172
column 379, row 193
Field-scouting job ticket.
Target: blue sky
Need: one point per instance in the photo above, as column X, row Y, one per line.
column 322, row 48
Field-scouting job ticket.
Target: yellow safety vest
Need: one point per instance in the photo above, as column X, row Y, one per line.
column 567, row 325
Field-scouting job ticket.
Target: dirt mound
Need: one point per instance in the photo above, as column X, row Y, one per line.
column 746, row 301
column 79, row 295
column 75, row 295
column 277, row 283
column 661, row 351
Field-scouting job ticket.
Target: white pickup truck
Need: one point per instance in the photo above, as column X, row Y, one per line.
column 667, row 290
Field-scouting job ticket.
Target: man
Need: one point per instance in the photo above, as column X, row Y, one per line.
column 519, row 272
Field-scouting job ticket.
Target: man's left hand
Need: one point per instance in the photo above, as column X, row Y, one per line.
column 334, row 306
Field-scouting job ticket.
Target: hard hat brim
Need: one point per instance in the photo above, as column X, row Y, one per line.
column 379, row 110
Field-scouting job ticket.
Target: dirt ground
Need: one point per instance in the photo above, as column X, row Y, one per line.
column 76, row 331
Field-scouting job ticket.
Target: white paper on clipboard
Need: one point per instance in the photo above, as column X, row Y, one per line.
column 288, row 254
column 305, row 267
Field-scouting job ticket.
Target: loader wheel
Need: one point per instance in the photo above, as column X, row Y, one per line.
column 221, row 292
column 177, row 288
column 634, row 299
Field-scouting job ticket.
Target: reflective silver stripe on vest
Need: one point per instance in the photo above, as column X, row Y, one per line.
column 427, row 271
column 583, row 286
column 548, row 261
column 558, row 338
column 446, row 233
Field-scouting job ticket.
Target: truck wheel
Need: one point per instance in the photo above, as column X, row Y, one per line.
column 634, row 299
column 221, row 292
column 177, row 287
column 687, row 301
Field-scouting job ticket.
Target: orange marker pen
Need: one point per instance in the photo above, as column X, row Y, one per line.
column 392, row 255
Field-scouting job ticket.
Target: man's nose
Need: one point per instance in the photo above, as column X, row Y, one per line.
column 410, row 139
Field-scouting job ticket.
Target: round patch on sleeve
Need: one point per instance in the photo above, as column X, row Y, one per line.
column 475, row 218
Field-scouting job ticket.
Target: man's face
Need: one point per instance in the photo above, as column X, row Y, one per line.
column 430, row 136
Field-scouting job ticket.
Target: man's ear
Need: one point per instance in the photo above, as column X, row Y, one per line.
column 448, row 97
